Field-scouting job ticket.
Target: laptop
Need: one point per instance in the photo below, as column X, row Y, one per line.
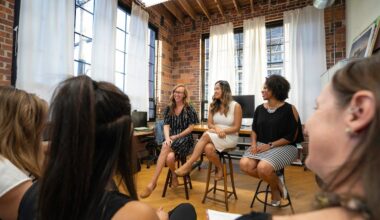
column 139, row 120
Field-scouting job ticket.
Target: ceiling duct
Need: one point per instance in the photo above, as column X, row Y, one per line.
column 321, row 4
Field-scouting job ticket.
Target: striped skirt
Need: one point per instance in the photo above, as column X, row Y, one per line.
column 278, row 157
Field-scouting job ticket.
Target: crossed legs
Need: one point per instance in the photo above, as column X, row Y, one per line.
column 166, row 155
column 262, row 170
column 204, row 144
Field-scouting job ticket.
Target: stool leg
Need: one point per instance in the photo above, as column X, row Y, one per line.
column 232, row 176
column 290, row 202
column 225, row 183
column 207, row 181
column 266, row 198
column 185, row 183
column 167, row 182
column 257, row 191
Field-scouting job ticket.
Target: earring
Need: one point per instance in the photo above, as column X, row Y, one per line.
column 350, row 132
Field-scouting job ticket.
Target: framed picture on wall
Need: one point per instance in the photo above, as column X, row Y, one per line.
column 362, row 45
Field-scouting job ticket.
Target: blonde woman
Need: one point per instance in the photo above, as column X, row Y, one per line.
column 22, row 118
column 179, row 120
column 224, row 121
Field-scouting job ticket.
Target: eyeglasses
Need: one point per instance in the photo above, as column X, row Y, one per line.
column 178, row 92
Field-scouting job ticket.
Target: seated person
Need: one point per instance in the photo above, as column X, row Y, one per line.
column 276, row 129
column 22, row 119
column 179, row 120
column 90, row 135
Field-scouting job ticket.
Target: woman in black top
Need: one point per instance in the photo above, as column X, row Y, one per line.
column 90, row 143
column 275, row 130
column 179, row 120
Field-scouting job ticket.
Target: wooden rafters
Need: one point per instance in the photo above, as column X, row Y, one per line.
column 174, row 10
column 237, row 7
column 189, row 10
column 204, row 9
column 220, row 8
column 251, row 1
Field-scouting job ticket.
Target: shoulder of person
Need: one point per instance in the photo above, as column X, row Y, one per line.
column 135, row 210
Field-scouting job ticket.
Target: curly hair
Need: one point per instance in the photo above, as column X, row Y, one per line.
column 224, row 101
column 279, row 86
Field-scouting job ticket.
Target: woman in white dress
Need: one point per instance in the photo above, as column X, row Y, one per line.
column 224, row 121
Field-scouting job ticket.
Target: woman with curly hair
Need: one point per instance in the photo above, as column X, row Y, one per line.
column 224, row 121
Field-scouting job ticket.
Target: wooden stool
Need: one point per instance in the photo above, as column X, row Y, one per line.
column 265, row 202
column 227, row 194
column 186, row 179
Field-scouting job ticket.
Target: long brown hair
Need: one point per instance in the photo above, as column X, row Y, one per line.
column 217, row 104
column 356, row 76
column 22, row 119
column 90, row 142
column 172, row 104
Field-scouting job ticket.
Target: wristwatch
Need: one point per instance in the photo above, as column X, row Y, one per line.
column 270, row 145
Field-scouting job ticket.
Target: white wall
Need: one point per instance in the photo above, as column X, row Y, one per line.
column 359, row 14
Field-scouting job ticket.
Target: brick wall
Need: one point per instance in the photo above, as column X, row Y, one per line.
column 187, row 38
column 6, row 40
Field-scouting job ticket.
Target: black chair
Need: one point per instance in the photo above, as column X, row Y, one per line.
column 267, row 190
column 153, row 144
column 223, row 156
column 186, row 179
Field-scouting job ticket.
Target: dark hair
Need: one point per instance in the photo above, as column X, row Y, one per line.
column 224, row 101
column 90, row 143
column 279, row 86
column 364, row 163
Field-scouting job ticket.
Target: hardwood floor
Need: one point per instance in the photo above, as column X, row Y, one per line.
column 301, row 185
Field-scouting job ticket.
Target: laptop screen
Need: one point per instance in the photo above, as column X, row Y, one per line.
column 139, row 119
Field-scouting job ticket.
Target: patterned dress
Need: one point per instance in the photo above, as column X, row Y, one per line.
column 182, row 146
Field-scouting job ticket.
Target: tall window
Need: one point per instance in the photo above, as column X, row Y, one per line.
column 275, row 48
column 84, row 14
column 239, row 61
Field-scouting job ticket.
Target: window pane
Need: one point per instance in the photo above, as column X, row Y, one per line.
column 86, row 4
column 119, row 62
column 82, row 48
column 120, row 20
column 120, row 40
column 81, row 68
column 83, row 22
column 119, row 80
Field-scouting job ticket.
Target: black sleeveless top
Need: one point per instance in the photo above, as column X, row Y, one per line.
column 115, row 200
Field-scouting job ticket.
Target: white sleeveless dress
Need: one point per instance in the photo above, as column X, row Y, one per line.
column 10, row 176
column 222, row 121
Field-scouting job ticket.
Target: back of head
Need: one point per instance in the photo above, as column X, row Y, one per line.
column 90, row 142
column 363, row 75
column 22, row 119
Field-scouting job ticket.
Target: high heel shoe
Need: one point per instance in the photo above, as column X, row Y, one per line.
column 281, row 187
column 147, row 191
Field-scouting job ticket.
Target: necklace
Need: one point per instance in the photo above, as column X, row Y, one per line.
column 272, row 110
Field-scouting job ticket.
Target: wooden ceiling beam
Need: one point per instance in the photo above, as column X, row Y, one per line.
column 189, row 10
column 174, row 10
column 204, row 9
column 220, row 8
column 237, row 7
column 251, row 1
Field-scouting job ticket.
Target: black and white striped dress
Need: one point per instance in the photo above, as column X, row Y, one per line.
column 270, row 127
column 182, row 146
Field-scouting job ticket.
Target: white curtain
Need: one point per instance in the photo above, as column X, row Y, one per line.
column 305, row 56
column 221, row 66
column 255, row 57
column 103, row 46
column 45, row 45
column 137, row 76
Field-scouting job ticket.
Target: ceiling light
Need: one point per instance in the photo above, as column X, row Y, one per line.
column 321, row 4
column 149, row 3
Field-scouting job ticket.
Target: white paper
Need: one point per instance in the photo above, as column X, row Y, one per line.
column 217, row 215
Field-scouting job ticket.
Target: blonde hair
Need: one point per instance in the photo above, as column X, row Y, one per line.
column 22, row 119
column 185, row 100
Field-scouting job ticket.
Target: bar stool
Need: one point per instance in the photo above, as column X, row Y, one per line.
column 227, row 194
column 266, row 191
column 186, row 179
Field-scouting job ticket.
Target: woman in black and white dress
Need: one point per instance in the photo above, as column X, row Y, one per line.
column 275, row 130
